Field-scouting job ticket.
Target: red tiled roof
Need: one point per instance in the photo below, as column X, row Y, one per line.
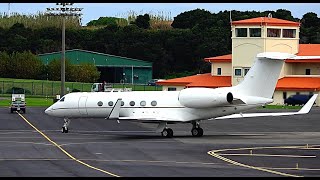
column 200, row 80
column 209, row 81
column 299, row 83
column 309, row 50
column 304, row 50
column 265, row 21
column 224, row 58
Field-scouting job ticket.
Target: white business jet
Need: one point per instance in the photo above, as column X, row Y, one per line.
column 190, row 105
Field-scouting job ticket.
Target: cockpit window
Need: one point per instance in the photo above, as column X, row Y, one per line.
column 62, row 99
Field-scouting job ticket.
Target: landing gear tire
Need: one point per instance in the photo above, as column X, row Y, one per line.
column 64, row 130
column 167, row 133
column 197, row 132
column 65, row 125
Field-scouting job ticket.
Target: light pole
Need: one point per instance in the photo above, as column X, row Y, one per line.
column 64, row 10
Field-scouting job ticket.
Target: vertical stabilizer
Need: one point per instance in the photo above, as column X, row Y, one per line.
column 263, row 76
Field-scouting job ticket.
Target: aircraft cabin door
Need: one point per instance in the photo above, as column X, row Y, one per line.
column 82, row 105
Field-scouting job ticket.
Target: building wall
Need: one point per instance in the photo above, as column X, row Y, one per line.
column 225, row 68
column 278, row 97
column 114, row 69
column 140, row 75
column 300, row 68
column 245, row 49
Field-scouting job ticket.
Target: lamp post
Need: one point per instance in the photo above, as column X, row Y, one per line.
column 64, row 10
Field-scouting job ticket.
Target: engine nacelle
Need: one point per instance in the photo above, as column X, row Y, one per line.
column 204, row 97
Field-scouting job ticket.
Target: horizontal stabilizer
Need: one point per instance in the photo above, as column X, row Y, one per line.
column 304, row 110
column 114, row 114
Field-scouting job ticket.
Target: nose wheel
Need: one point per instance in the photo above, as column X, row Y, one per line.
column 66, row 123
column 64, row 129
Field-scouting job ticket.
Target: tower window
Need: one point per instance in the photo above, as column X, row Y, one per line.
column 241, row 32
column 289, row 33
column 255, row 32
column 273, row 32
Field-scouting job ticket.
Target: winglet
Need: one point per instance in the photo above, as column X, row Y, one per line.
column 114, row 114
column 306, row 108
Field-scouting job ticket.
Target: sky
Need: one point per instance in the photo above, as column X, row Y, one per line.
column 92, row 11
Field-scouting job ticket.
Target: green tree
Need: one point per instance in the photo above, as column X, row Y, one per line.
column 25, row 65
column 143, row 21
column 54, row 70
column 4, row 64
column 85, row 73
column 191, row 18
column 310, row 27
column 106, row 21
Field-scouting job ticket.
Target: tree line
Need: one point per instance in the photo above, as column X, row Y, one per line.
column 26, row 65
column 194, row 35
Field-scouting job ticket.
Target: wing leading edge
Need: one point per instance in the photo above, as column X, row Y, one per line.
column 304, row 110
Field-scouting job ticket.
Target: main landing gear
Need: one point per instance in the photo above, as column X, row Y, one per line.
column 167, row 132
column 196, row 130
column 65, row 125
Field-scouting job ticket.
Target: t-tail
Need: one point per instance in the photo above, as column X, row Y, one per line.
column 261, row 79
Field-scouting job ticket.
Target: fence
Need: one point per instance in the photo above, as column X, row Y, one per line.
column 52, row 88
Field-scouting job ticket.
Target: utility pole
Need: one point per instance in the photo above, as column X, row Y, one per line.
column 64, row 10
column 8, row 9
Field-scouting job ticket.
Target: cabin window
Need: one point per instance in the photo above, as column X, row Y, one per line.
column 100, row 103
column 246, row 70
column 255, row 32
column 297, row 93
column 110, row 103
column 237, row 72
column 132, row 103
column 172, row 89
column 218, row 71
column 308, row 71
column 153, row 103
column 271, row 32
column 143, row 103
column 284, row 95
column 289, row 33
column 241, row 32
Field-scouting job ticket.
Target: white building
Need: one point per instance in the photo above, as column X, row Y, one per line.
column 253, row 36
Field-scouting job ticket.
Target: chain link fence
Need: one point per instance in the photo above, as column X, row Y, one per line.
column 52, row 88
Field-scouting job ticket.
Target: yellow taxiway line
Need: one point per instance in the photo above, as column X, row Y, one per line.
column 64, row 151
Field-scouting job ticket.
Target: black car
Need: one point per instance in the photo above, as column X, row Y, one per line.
column 299, row 99
column 152, row 82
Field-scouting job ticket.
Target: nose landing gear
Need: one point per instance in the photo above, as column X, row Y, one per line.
column 66, row 123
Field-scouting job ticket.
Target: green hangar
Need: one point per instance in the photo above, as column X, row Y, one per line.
column 113, row 69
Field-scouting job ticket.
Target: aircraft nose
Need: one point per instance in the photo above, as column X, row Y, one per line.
column 48, row 110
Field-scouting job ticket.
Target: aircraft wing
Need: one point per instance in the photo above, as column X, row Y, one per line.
column 304, row 110
column 145, row 118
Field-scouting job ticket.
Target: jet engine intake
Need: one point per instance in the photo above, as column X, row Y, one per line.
column 204, row 97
